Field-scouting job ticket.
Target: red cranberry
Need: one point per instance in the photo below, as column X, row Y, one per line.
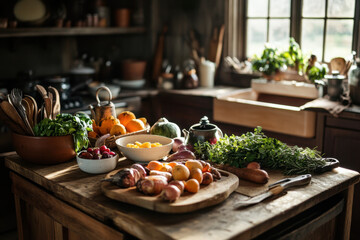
column 97, row 156
column 103, row 148
column 112, row 153
column 90, row 150
column 106, row 155
column 86, row 155
column 96, row 151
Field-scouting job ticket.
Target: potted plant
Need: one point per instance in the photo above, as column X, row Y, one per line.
column 293, row 57
column 269, row 64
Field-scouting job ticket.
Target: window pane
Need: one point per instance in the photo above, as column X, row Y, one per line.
column 279, row 32
column 256, row 36
column 280, row 8
column 338, row 38
column 341, row 8
column 313, row 8
column 312, row 37
column 257, row 8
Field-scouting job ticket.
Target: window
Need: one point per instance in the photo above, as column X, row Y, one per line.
column 267, row 21
column 326, row 28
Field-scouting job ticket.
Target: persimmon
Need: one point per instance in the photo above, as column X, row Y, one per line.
column 107, row 124
column 125, row 117
column 118, row 129
column 192, row 185
column 143, row 120
column 134, row 125
column 154, row 165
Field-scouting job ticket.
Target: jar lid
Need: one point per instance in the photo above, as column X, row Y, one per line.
column 335, row 75
column 204, row 124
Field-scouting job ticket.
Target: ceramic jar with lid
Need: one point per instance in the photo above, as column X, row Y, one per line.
column 354, row 83
column 335, row 85
column 201, row 132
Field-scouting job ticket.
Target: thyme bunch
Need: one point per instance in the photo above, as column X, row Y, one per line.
column 271, row 153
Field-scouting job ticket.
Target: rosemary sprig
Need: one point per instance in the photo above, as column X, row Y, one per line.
column 271, row 153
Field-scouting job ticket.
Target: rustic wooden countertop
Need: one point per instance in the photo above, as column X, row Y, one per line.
column 81, row 190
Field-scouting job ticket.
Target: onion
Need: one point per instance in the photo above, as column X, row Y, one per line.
column 178, row 141
column 101, row 140
column 185, row 154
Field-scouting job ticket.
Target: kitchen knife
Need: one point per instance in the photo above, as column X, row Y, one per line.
column 276, row 189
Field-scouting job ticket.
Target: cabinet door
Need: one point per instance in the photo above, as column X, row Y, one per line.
column 345, row 146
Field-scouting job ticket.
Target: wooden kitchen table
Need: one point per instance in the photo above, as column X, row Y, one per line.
column 62, row 202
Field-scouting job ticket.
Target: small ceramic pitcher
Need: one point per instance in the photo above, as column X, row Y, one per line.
column 201, row 132
column 99, row 112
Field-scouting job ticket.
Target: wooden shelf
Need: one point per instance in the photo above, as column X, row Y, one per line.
column 74, row 31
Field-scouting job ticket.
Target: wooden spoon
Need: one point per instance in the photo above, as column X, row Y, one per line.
column 47, row 101
column 11, row 112
column 28, row 112
column 10, row 123
column 35, row 108
column 56, row 102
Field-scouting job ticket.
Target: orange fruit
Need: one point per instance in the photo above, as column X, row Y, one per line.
column 192, row 185
column 107, row 124
column 180, row 172
column 197, row 174
column 118, row 129
column 125, row 117
column 93, row 134
column 191, row 164
column 143, row 120
column 95, row 127
column 166, row 168
column 154, row 165
column 172, row 164
column 134, row 125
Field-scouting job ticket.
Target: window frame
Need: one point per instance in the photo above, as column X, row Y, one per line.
column 236, row 27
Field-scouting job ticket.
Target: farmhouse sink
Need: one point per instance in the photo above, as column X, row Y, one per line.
column 275, row 113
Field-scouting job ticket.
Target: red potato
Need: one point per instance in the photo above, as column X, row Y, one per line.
column 140, row 169
column 253, row 175
column 253, row 165
column 152, row 185
column 207, row 178
column 179, row 184
column 160, row 173
column 170, row 193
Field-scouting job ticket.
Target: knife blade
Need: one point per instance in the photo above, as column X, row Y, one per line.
column 276, row 189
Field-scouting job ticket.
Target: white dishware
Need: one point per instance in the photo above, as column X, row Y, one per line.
column 97, row 166
column 144, row 154
column 132, row 84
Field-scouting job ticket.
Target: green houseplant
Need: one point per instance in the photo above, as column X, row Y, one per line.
column 269, row 64
column 294, row 57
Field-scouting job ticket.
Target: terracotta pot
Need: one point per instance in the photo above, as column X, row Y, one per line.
column 44, row 150
column 133, row 69
column 122, row 17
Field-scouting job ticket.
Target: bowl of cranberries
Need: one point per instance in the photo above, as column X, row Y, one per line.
column 97, row 160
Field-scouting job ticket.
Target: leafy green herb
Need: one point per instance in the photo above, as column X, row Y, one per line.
column 316, row 73
column 271, row 153
column 269, row 63
column 78, row 125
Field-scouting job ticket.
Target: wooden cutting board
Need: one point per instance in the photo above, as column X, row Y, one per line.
column 209, row 195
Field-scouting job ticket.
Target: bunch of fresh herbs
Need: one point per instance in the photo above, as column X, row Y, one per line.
column 271, row 153
column 64, row 124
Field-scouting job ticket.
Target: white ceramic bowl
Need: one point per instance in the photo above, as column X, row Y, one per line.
column 132, row 84
column 97, row 166
column 144, row 154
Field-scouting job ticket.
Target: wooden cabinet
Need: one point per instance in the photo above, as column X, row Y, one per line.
column 342, row 141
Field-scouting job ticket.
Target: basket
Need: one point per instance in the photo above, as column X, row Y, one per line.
column 110, row 141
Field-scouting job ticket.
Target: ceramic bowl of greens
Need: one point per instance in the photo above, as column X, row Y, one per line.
column 44, row 150
column 56, row 140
